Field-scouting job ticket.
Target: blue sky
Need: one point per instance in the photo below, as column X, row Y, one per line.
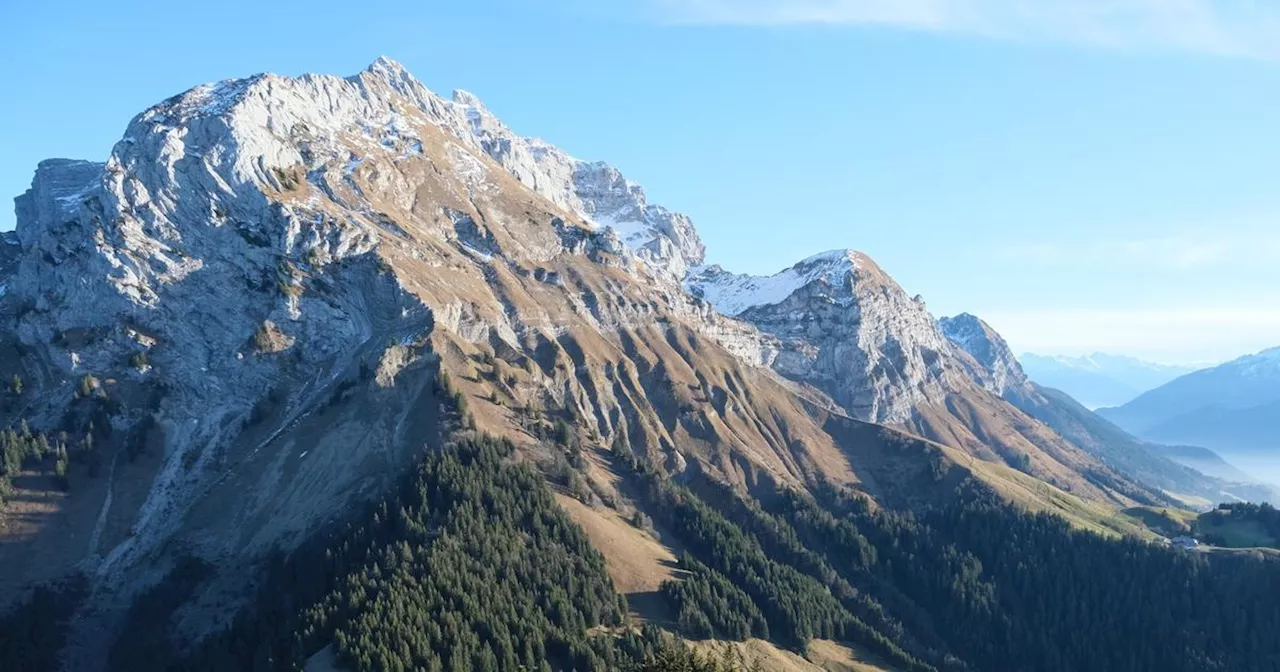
column 1094, row 175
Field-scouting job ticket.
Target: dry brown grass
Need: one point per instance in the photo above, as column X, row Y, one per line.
column 986, row 427
column 269, row 339
column 836, row 657
column 636, row 561
column 820, row 656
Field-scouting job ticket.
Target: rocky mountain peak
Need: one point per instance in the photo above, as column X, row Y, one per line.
column 999, row 369
column 595, row 191
column 468, row 99
column 259, row 125
column 847, row 328
column 385, row 66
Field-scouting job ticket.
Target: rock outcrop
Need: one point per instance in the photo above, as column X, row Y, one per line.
column 595, row 191
column 846, row 328
column 998, row 369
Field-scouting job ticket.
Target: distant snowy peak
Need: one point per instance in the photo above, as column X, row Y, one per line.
column 1228, row 407
column 1100, row 380
column 1083, row 362
column 1101, row 362
column 1265, row 364
column 734, row 294
column 1000, row 369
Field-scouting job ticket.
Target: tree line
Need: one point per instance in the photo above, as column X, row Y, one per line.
column 1264, row 515
column 470, row 564
column 974, row 584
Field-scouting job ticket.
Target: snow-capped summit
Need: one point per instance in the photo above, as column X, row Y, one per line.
column 392, row 71
column 385, row 65
column 1100, row 379
column 468, row 99
column 848, row 329
column 1245, row 382
column 1265, row 363
column 1231, row 408
column 383, row 107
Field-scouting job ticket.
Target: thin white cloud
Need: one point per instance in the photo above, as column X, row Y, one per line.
column 1228, row 27
column 1171, row 335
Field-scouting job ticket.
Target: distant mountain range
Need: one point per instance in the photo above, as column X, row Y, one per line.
column 1173, row 470
column 1100, row 380
column 1233, row 408
column 1204, row 461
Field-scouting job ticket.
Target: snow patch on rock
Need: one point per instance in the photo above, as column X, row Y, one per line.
column 733, row 294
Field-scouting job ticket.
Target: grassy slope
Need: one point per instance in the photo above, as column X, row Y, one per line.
column 1035, row 495
column 1167, row 521
column 1171, row 522
column 820, row 656
column 1236, row 532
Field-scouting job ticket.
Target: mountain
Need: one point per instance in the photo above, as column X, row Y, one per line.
column 849, row 330
column 1230, row 408
column 1237, row 430
column 321, row 372
column 1147, row 462
column 1100, row 380
column 1204, row 461
column 996, row 362
column 241, row 319
column 895, row 359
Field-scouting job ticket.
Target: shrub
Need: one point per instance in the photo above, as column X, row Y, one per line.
column 88, row 385
column 60, row 473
